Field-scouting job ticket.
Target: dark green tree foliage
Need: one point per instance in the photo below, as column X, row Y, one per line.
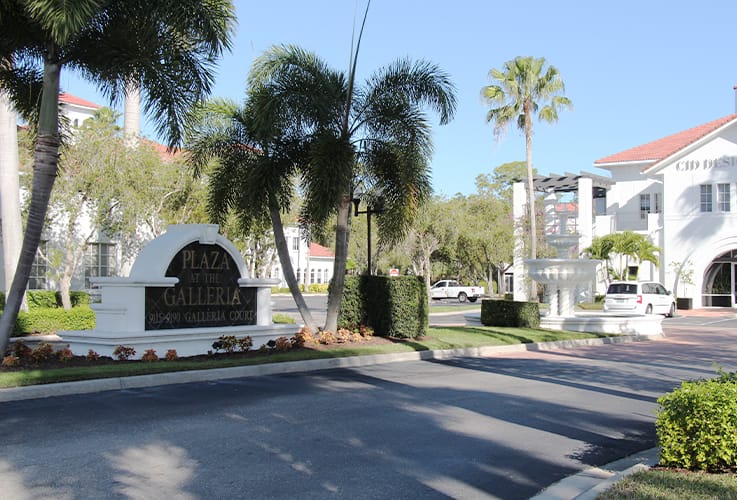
column 111, row 44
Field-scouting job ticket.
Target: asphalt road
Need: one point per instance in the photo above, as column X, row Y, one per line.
column 284, row 304
column 498, row 427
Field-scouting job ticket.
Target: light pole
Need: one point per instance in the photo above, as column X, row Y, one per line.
column 358, row 194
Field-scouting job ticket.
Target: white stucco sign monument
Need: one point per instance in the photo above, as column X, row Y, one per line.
column 187, row 288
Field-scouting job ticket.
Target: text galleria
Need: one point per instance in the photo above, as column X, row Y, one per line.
column 202, row 296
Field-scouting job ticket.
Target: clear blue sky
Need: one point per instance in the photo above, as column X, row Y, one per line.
column 635, row 70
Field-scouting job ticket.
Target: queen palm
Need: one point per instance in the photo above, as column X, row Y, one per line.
column 253, row 172
column 375, row 133
column 525, row 88
column 109, row 43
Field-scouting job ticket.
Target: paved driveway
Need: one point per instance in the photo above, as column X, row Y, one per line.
column 498, row 427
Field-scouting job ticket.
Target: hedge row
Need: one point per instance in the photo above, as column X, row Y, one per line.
column 40, row 299
column 393, row 307
column 510, row 313
column 54, row 319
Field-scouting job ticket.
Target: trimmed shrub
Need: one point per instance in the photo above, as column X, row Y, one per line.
column 352, row 310
column 393, row 307
column 150, row 356
column 54, row 319
column 318, row 288
column 42, row 351
column 11, row 360
column 510, row 313
column 697, row 425
column 124, row 353
column 64, row 354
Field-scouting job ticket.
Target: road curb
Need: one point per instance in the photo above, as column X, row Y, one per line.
column 183, row 377
column 590, row 483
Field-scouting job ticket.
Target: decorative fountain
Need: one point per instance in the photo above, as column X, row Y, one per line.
column 564, row 277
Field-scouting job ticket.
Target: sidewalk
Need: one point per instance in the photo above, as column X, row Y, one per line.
column 711, row 312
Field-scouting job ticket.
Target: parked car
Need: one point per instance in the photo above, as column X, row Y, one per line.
column 451, row 289
column 639, row 297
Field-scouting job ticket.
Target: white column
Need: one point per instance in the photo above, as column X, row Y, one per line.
column 585, row 212
column 521, row 290
column 551, row 219
column 552, row 292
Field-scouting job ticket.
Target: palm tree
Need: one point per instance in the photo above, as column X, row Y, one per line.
column 626, row 245
column 525, row 88
column 253, row 175
column 109, row 43
column 376, row 134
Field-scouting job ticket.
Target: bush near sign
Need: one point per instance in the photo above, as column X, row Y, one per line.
column 207, row 294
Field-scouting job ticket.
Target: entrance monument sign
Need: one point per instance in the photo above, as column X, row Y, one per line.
column 185, row 290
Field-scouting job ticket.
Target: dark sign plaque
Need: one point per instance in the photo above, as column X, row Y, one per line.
column 207, row 295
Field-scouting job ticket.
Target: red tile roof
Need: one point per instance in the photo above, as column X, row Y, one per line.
column 71, row 99
column 661, row 149
column 320, row 251
column 163, row 151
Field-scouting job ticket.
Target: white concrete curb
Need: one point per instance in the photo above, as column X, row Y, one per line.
column 590, row 483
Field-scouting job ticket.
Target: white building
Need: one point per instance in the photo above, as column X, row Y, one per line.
column 312, row 263
column 681, row 191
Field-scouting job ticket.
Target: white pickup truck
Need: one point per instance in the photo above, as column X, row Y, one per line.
column 451, row 289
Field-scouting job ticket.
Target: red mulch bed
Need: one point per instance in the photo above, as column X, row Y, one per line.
column 28, row 363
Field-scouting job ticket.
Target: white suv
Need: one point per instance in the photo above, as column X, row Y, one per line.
column 639, row 297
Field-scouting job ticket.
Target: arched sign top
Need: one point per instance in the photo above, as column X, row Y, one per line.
column 156, row 256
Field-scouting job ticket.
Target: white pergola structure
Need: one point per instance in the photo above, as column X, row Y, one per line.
column 588, row 187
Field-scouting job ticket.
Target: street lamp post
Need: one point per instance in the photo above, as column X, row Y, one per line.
column 357, row 195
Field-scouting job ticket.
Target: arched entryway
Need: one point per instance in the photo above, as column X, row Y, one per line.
column 719, row 281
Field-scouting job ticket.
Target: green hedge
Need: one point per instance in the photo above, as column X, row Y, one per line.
column 697, row 425
column 43, row 299
column 54, row 319
column 510, row 313
column 393, row 307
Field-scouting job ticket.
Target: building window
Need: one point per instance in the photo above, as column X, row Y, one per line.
column 295, row 244
column 319, row 275
column 644, row 205
column 100, row 261
column 312, row 276
column 38, row 280
column 658, row 203
column 706, row 197
column 723, row 198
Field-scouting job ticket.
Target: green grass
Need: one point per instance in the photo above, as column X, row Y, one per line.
column 437, row 338
column 673, row 485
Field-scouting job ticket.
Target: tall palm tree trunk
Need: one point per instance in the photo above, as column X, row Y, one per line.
column 286, row 264
column 132, row 115
column 530, row 192
column 44, row 175
column 342, row 235
column 12, row 229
